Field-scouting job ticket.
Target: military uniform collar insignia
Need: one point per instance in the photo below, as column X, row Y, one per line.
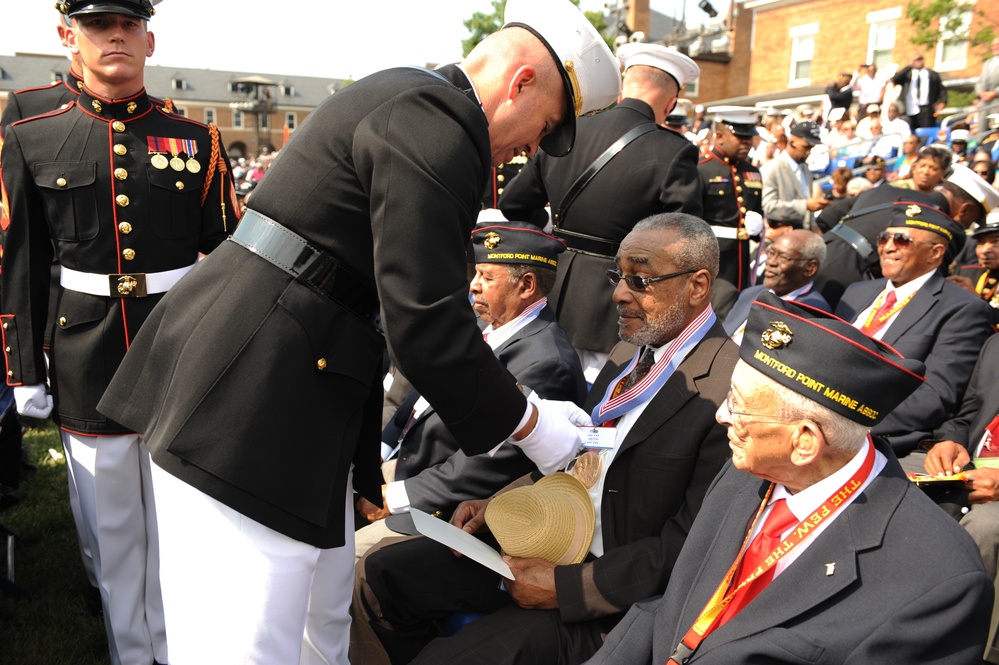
column 115, row 109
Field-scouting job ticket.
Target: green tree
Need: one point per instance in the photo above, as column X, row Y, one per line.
column 935, row 18
column 482, row 25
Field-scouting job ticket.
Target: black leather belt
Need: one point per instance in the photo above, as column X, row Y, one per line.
column 854, row 239
column 307, row 263
column 586, row 244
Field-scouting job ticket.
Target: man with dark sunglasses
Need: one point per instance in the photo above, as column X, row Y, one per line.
column 922, row 315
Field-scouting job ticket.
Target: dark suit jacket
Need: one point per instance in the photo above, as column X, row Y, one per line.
column 256, row 389
column 843, row 265
column 980, row 404
column 938, row 93
column 437, row 474
column 740, row 310
column 655, row 173
column 944, row 326
column 655, row 485
column 871, row 609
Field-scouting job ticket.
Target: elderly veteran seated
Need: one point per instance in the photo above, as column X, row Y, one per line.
column 791, row 263
column 812, row 546
column 922, row 315
column 647, row 472
column 514, row 271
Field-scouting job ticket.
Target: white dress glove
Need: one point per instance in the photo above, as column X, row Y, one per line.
column 33, row 401
column 574, row 414
column 554, row 439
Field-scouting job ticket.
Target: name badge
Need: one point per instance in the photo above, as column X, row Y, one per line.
column 601, row 438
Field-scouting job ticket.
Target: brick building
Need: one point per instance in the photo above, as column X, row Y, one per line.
column 234, row 101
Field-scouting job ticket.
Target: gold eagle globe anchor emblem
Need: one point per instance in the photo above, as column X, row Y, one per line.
column 126, row 284
column 492, row 240
column 777, row 336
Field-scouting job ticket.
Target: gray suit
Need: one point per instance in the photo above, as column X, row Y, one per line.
column 871, row 609
column 784, row 200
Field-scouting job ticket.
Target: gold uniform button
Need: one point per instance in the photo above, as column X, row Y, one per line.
column 500, row 178
column 321, row 364
column 499, row 191
column 10, row 373
column 5, row 325
column 121, row 200
column 721, row 191
column 118, row 126
column 61, row 182
column 739, row 199
column 738, row 188
column 120, row 149
column 7, row 349
column 180, row 185
column 742, row 209
column 128, row 253
column 120, row 174
column 62, row 321
column 125, row 228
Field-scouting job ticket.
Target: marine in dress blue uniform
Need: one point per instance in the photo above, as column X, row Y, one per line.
column 124, row 196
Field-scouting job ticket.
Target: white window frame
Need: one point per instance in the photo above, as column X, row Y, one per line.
column 291, row 120
column 877, row 22
column 265, row 120
column 941, row 61
column 237, row 119
column 692, row 88
column 802, row 43
column 211, row 117
column 180, row 110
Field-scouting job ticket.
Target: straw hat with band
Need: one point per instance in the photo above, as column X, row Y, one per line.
column 553, row 519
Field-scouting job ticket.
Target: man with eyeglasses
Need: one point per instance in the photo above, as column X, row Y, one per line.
column 659, row 449
column 643, row 170
column 812, row 545
column 788, row 197
column 922, row 315
column 791, row 263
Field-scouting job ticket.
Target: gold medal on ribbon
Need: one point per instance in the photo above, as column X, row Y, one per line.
column 193, row 166
column 177, row 164
column 587, row 468
column 159, row 161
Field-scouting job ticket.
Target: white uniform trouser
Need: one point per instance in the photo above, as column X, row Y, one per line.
column 111, row 477
column 238, row 593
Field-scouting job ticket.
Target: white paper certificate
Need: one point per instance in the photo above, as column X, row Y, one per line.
column 460, row 541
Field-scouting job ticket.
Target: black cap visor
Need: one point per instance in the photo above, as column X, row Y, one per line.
column 133, row 9
column 561, row 139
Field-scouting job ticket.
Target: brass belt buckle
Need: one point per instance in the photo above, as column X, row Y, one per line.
column 132, row 285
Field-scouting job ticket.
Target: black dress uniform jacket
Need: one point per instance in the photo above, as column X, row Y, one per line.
column 82, row 189
column 655, row 173
column 731, row 188
column 36, row 101
column 258, row 390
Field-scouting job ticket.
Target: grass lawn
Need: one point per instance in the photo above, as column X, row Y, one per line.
column 54, row 625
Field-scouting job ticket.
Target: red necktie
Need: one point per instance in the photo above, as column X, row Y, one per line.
column 780, row 520
column 875, row 322
column 991, row 449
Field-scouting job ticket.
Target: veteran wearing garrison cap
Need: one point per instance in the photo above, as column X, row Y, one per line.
column 733, row 190
column 806, row 546
column 922, row 315
column 124, row 196
column 655, row 172
column 368, row 211
column 514, row 272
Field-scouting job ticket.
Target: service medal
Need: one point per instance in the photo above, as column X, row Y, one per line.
column 177, row 164
column 587, row 468
column 159, row 161
column 193, row 166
